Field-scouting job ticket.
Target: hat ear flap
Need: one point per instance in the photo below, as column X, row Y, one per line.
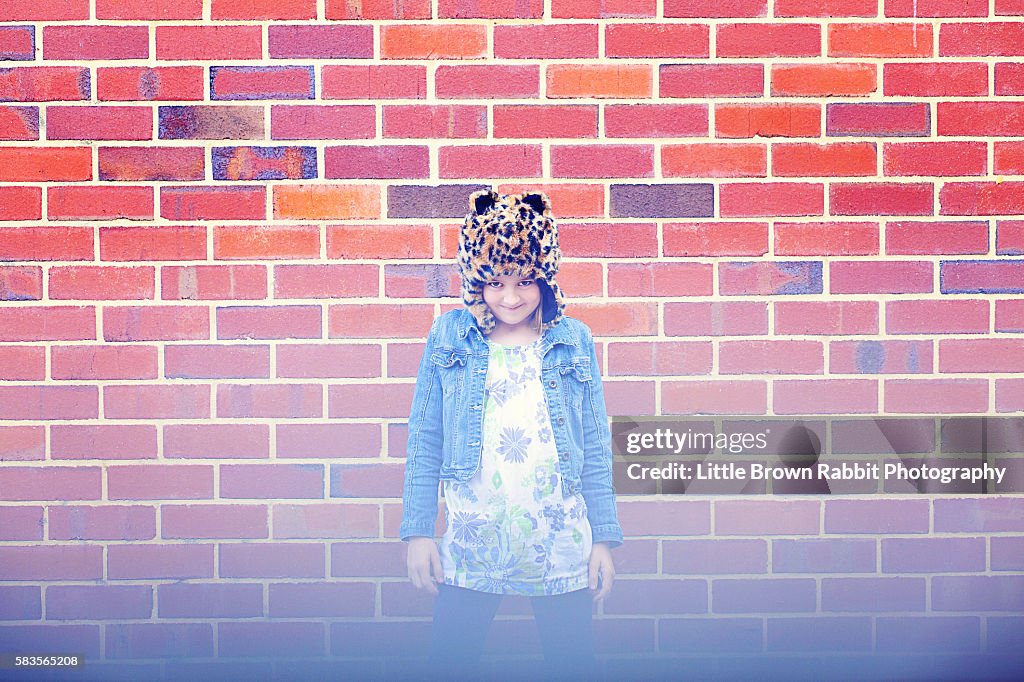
column 482, row 201
column 537, row 201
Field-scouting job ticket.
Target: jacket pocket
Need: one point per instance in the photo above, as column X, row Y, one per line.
column 450, row 366
column 576, row 378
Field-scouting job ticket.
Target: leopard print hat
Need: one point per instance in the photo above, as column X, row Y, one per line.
column 509, row 235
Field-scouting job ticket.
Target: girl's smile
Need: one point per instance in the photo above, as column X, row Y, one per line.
column 512, row 300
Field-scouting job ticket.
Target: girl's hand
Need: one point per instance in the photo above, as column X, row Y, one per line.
column 424, row 564
column 601, row 565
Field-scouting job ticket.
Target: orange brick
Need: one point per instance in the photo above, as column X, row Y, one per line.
column 826, row 239
column 714, row 160
column 880, row 40
column 326, row 202
column 619, row 319
column 599, row 80
column 379, row 241
column 767, row 120
column 379, row 321
column 452, row 41
column 823, row 80
column 832, row 160
column 266, row 242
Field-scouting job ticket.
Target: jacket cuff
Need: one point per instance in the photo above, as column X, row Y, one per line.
column 610, row 533
column 410, row 530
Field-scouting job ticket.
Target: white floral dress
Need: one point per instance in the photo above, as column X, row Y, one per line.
column 510, row 529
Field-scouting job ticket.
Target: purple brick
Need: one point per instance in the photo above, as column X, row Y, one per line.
column 637, row 556
column 933, row 555
column 937, row 634
column 973, row 515
column 160, row 640
column 714, row 557
column 219, row 670
column 53, row 639
column 311, row 600
column 421, row 201
column 657, row 597
column 889, row 119
column 981, row 277
column 439, row 281
column 17, row 43
column 710, row 635
column 264, row 163
column 368, row 559
column 1004, row 634
column 763, row 595
column 372, row 638
column 261, row 322
column 876, row 516
column 270, row 481
column 663, row 201
column 624, row 635
column 21, row 523
column 320, row 42
column 44, row 84
column 983, row 434
column 813, row 555
column 777, row 277
column 51, row 562
column 978, row 593
column 872, row 436
column 209, row 600
column 20, row 602
column 19, row 123
column 1007, row 553
column 674, row 517
column 819, row 633
column 272, row 560
column 230, row 122
column 402, row 599
column 147, row 562
column 767, row 517
column 873, row 594
column 261, row 82
column 98, row 602
column 391, row 161
column 260, row 640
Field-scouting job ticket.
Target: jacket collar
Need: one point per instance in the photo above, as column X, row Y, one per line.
column 558, row 334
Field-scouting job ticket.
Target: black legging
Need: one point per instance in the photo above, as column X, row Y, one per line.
column 463, row 617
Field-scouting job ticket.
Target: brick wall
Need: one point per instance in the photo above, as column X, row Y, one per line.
column 225, row 227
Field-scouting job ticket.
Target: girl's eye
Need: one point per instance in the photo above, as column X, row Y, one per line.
column 526, row 282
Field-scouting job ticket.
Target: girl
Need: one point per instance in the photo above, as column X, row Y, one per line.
column 509, row 413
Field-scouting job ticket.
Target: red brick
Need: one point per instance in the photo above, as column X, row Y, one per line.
column 45, row 164
column 732, row 318
column 936, row 8
column 369, row 400
column 769, row 278
column 937, row 317
column 826, row 8
column 981, row 198
column 267, row 400
column 155, row 323
column 826, row 239
column 386, row 161
column 665, row 358
column 316, row 521
column 713, row 9
column 51, row 562
column 208, row 42
column 196, row 521
column 1009, row 239
column 771, row 199
column 44, row 84
column 1001, row 38
column 626, row 81
column 935, row 79
column 73, row 43
column 715, row 239
column 600, row 161
column 176, row 243
column 19, row 523
column 175, row 401
column 272, row 560
column 981, row 355
column 19, row 123
column 314, row 122
column 48, row 323
column 278, row 639
column 51, row 482
column 1009, row 8
column 420, row 281
column 299, row 360
column 107, row 522
column 436, row 121
column 654, row 120
column 46, row 10
column 980, row 119
column 1009, row 395
column 261, row 10
column 714, row 397
column 711, row 80
column 261, row 82
column 881, row 198
column 374, row 81
column 331, row 440
column 880, row 277
column 767, row 120
column 880, row 40
column 153, row 561
column 99, row 123
column 825, row 396
column 103, row 362
column 489, row 9
column 379, row 241
column 970, row 276
column 830, row 160
column 213, row 282
column 822, row 80
column 567, row 200
column 771, row 357
column 23, row 442
column 276, row 481
column 546, row 41
column 87, row 282
column 419, row 41
column 21, row 282
column 935, row 158
column 826, row 318
column 20, row 363
column 149, row 10
column 378, row 321
column 216, row 362
column 46, row 243
column 326, row 202
column 17, row 43
column 210, row 600
column 880, row 357
column 378, row 9
column 610, row 240
column 1010, row 315
column 487, row 81
column 941, row 396
column 21, row 203
column 151, row 163
column 656, row 40
column 266, row 242
column 322, row 599
column 660, row 279
column 269, row 322
column 197, row 202
column 99, row 203
column 538, row 121
column 602, row 9
column 501, row 161
column 703, row 160
column 767, row 40
column 938, row 237
column 1009, row 78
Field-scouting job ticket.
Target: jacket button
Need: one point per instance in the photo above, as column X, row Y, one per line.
column 552, row 383
column 561, row 420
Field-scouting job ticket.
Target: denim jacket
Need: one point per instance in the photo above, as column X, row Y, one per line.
column 445, row 426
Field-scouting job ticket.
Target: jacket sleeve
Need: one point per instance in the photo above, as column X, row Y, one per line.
column 596, row 478
column 425, row 447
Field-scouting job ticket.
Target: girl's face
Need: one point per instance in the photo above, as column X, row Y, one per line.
column 512, row 299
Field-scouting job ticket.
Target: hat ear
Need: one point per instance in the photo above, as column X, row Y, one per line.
column 537, row 201
column 482, row 201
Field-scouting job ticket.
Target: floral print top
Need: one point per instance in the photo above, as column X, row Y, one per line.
column 510, row 529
